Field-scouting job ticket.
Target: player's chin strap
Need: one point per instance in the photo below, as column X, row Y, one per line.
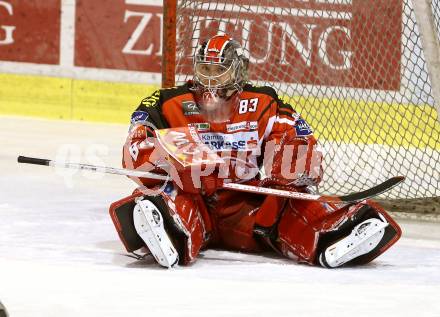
column 149, row 225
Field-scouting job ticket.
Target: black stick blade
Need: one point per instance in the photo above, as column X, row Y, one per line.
column 374, row 191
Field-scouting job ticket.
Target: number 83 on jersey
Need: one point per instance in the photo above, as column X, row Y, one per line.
column 248, row 105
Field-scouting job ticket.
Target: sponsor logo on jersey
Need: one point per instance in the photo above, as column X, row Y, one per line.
column 204, row 126
column 151, row 100
column 245, row 125
column 190, row 108
column 302, row 128
column 240, row 141
column 252, row 143
column 139, row 116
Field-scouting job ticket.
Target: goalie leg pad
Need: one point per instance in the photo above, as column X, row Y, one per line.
column 149, row 225
column 121, row 213
column 185, row 219
column 362, row 240
column 189, row 216
column 363, row 212
column 307, row 230
column 297, row 235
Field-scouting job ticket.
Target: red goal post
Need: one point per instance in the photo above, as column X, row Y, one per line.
column 364, row 73
column 169, row 43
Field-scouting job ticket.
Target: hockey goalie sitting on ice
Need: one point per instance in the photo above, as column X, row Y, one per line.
column 254, row 138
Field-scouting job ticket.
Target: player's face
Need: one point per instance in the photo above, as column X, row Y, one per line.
column 215, row 98
column 214, row 75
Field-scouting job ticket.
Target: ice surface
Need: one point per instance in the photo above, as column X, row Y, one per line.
column 60, row 254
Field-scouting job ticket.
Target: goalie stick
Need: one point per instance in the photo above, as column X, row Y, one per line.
column 353, row 197
column 371, row 192
column 89, row 167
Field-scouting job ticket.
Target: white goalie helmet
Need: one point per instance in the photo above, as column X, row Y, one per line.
column 220, row 72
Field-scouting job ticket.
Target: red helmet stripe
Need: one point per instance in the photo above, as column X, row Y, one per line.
column 215, row 46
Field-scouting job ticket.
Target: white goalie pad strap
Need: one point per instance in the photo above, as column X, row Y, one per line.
column 363, row 239
column 149, row 225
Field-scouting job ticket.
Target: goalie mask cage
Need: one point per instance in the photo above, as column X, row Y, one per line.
column 363, row 73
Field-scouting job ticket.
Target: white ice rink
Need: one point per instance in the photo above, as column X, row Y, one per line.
column 60, row 254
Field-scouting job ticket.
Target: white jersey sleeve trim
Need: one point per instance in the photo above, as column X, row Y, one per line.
column 272, row 121
column 285, row 120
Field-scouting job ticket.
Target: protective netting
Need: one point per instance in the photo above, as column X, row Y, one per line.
column 435, row 8
column 355, row 69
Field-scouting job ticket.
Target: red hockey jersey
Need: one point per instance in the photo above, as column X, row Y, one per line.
column 260, row 119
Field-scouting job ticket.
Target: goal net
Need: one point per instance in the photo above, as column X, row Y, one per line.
column 362, row 73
